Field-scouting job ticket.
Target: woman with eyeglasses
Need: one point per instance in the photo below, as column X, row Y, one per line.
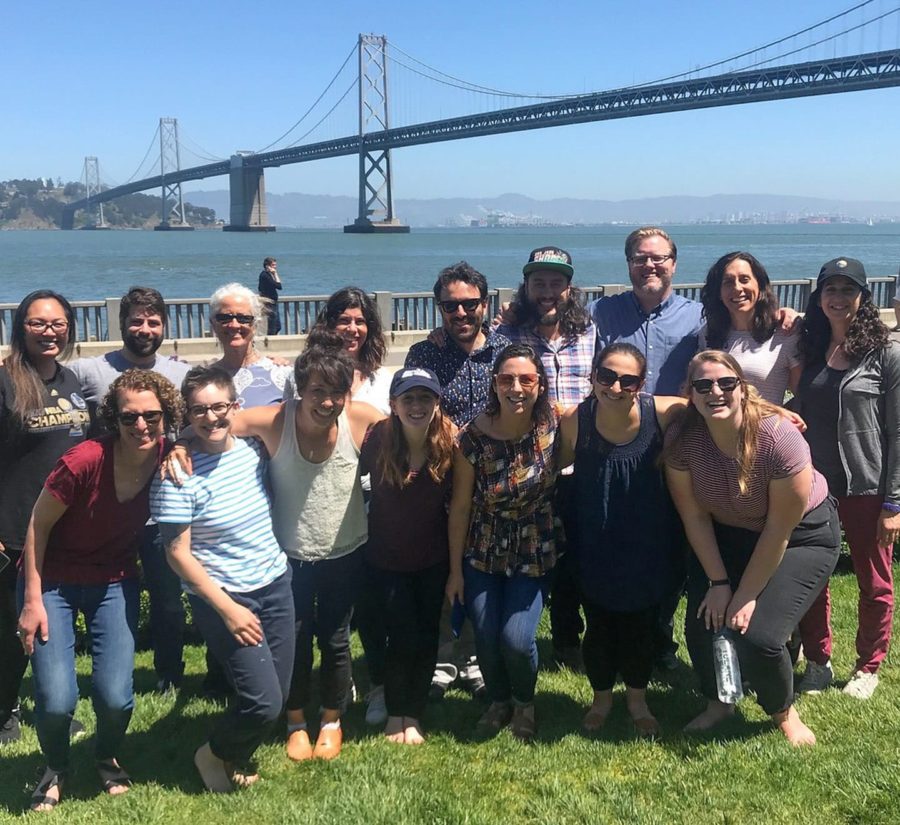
column 503, row 533
column 850, row 395
column 763, row 529
column 217, row 527
column 627, row 538
column 236, row 315
column 42, row 414
column 743, row 319
column 80, row 556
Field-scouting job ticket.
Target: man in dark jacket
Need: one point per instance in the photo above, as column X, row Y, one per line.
column 269, row 284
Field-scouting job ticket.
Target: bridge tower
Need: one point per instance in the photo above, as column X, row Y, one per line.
column 91, row 178
column 172, row 207
column 376, row 199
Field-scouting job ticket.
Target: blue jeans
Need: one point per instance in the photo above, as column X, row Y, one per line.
column 259, row 674
column 111, row 614
column 167, row 617
column 505, row 611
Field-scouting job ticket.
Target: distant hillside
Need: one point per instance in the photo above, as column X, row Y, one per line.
column 296, row 209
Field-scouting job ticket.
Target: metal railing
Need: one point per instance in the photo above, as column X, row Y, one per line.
column 399, row 311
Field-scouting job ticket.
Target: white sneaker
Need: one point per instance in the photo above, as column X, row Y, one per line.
column 445, row 674
column 861, row 685
column 816, row 678
column 376, row 710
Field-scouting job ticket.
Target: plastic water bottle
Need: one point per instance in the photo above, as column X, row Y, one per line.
column 728, row 668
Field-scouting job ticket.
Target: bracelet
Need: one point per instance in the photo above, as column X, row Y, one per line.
column 719, row 583
column 891, row 508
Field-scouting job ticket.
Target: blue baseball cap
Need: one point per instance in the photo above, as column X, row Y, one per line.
column 409, row 378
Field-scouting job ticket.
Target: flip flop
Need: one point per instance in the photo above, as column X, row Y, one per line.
column 112, row 776
column 40, row 802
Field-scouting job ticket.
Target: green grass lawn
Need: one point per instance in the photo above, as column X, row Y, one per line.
column 746, row 772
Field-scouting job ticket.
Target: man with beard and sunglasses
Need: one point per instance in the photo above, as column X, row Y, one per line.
column 142, row 321
column 548, row 314
column 463, row 361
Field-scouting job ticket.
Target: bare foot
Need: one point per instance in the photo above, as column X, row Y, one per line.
column 715, row 713
column 790, row 724
column 412, row 731
column 645, row 722
column 393, row 730
column 239, row 778
column 595, row 718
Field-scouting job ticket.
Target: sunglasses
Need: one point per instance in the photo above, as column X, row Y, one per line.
column 227, row 317
column 151, row 417
column 527, row 380
column 606, row 378
column 704, row 385
column 219, row 409
column 468, row 305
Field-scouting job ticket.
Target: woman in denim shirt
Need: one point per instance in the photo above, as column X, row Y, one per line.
column 849, row 396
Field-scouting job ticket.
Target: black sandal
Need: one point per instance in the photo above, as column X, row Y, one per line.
column 49, row 779
column 112, row 776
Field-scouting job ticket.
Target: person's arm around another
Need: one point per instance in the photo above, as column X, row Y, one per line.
column 242, row 623
column 787, row 501
column 889, row 521
column 361, row 416
column 33, row 619
column 568, row 430
column 458, row 523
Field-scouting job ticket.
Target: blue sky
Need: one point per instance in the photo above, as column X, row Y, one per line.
column 98, row 75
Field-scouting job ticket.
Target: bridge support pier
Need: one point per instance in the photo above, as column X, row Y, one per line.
column 248, row 197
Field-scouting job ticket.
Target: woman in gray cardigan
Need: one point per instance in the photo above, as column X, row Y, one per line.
column 849, row 396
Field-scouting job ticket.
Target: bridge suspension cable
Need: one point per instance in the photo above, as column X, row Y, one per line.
column 306, row 114
column 194, row 148
column 150, row 148
column 324, row 117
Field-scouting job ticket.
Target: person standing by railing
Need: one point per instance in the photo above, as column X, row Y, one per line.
column 268, row 287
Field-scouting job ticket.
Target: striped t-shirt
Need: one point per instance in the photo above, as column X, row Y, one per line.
column 781, row 452
column 227, row 506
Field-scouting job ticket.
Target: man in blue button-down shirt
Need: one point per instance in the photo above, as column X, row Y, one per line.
column 662, row 325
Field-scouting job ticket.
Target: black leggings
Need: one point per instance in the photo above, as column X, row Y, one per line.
column 619, row 642
column 13, row 660
column 808, row 562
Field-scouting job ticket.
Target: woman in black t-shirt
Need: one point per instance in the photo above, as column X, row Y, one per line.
column 42, row 414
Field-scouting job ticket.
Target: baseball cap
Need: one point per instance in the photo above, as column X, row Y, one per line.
column 550, row 257
column 407, row 379
column 848, row 267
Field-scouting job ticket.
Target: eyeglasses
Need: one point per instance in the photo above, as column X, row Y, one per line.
column 704, row 385
column 151, row 417
column 219, row 409
column 36, row 325
column 606, row 378
column 656, row 260
column 468, row 305
column 527, row 380
column 227, row 317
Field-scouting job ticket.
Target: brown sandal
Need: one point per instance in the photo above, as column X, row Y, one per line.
column 49, row 779
column 523, row 726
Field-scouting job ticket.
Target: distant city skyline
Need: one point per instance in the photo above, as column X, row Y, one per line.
column 93, row 79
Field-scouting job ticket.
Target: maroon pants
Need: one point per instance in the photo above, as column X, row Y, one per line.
column 872, row 564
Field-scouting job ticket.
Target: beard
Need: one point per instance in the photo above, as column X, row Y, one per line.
column 142, row 347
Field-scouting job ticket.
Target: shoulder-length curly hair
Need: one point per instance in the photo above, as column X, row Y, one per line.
column 754, row 408
column 572, row 315
column 867, row 332
column 137, row 380
column 543, row 411
column 718, row 319
column 372, row 352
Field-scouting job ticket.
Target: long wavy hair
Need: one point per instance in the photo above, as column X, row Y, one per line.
column 867, row 332
column 572, row 315
column 137, row 380
column 542, row 413
column 28, row 387
column 393, row 458
column 372, row 352
column 754, row 408
column 718, row 320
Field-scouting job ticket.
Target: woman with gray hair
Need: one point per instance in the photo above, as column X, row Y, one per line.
column 236, row 313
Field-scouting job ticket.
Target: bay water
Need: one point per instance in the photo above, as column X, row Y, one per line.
column 96, row 265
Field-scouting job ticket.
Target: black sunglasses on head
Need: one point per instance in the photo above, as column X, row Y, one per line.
column 607, row 377
column 468, row 305
column 704, row 385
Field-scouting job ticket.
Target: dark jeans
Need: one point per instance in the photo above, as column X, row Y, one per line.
column 566, row 625
column 369, row 620
column 111, row 615
column 617, row 642
column 412, row 604
column 273, row 321
column 259, row 674
column 324, row 595
column 810, row 558
column 167, row 617
column 13, row 660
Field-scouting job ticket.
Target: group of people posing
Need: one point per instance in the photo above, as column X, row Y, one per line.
column 602, row 458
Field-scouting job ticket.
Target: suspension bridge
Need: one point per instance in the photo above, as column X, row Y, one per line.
column 802, row 64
